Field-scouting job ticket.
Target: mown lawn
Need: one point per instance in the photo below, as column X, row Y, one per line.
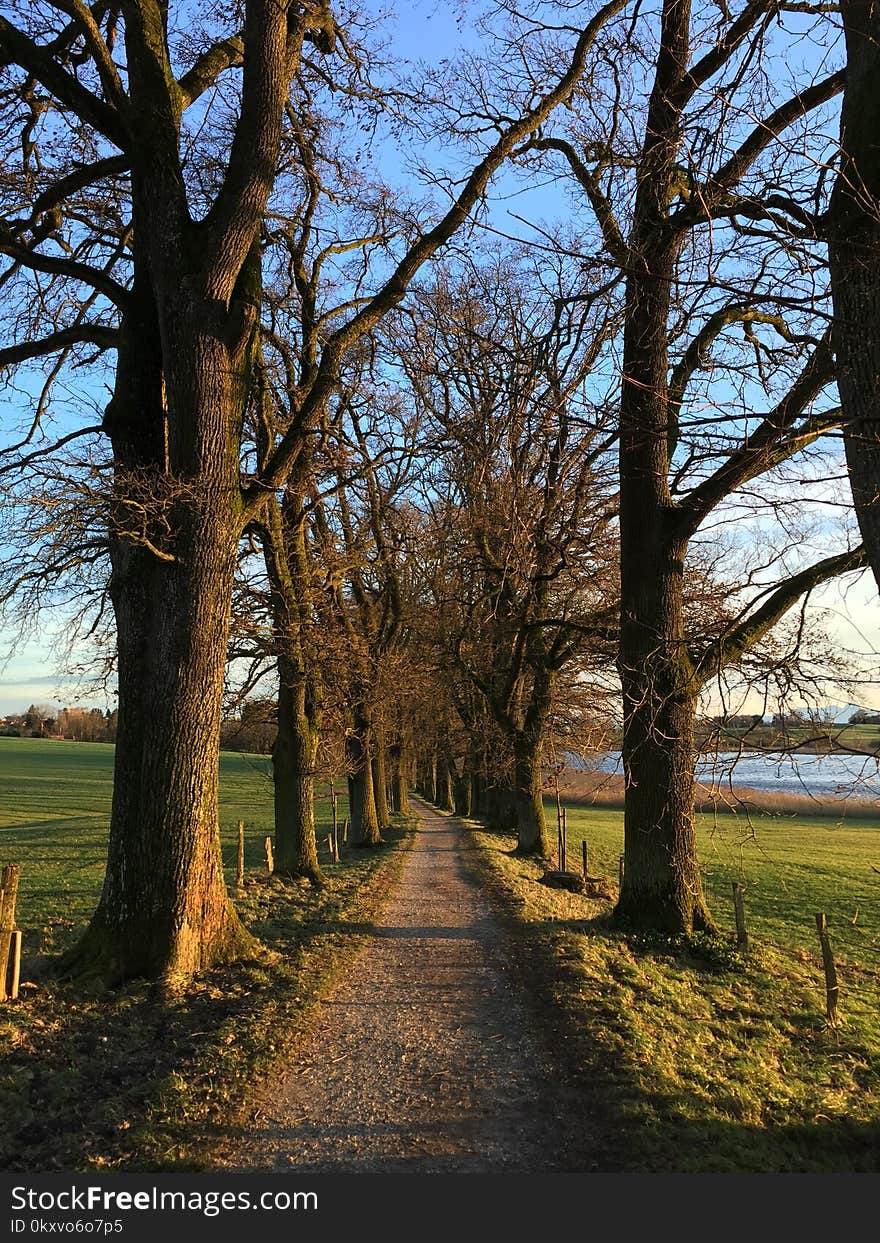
column 54, row 815
column 791, row 869
column 695, row 1057
column 139, row 1079
column 698, row 1058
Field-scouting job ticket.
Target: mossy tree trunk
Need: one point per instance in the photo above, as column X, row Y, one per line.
column 294, row 757
column 400, row 765
column 662, row 889
column 528, row 796
column 379, row 764
column 445, row 791
column 364, row 829
column 164, row 908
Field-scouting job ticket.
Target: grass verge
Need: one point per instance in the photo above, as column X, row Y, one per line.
column 694, row 1058
column 134, row 1079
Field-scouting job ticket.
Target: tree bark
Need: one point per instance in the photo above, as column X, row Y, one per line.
column 445, row 793
column 364, row 830
column 528, row 798
column 500, row 806
column 293, row 768
column 164, row 908
column 399, row 780
column 662, row 889
column 853, row 231
column 464, row 794
column 431, row 778
column 379, row 764
column 294, row 754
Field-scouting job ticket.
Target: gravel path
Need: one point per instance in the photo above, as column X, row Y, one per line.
column 425, row 1057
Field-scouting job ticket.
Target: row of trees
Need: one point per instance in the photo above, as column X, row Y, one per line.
column 456, row 493
column 77, row 724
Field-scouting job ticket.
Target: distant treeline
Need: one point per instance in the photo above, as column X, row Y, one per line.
column 74, row 724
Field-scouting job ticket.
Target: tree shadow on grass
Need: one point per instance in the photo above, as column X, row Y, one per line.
column 130, row 1079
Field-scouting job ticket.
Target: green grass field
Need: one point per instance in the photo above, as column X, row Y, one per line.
column 54, row 816
column 791, row 869
column 136, row 1079
column 692, row 1067
column 701, row 1059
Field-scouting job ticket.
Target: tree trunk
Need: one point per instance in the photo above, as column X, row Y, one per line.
column 431, row 778
column 662, row 890
column 478, row 794
column 364, row 830
column 295, row 752
column 399, row 783
column 464, row 791
column 164, row 908
column 293, row 769
column 500, row 804
column 853, row 230
column 445, row 793
column 379, row 774
column 528, row 798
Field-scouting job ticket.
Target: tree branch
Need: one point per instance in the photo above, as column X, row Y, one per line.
column 694, row 356
column 614, row 240
column 751, row 629
column 773, row 440
column 96, row 334
column 271, row 51
column 56, row 266
column 708, row 198
column 395, row 288
column 16, row 48
column 225, row 54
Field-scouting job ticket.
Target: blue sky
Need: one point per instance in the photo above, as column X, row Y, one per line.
column 430, row 30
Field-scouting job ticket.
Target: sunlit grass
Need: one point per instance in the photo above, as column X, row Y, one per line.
column 136, row 1079
column 54, row 819
column 698, row 1070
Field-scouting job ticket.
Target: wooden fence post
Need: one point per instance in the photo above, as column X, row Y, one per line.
column 239, row 869
column 584, row 853
column 9, row 892
column 14, row 965
column 335, row 824
column 832, row 990
column 345, row 829
column 742, row 936
column 270, row 860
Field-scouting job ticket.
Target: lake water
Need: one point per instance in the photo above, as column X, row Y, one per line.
column 841, row 776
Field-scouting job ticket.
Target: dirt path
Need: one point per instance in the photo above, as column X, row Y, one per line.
column 425, row 1057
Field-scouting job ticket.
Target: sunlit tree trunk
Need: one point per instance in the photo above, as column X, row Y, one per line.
column 364, row 829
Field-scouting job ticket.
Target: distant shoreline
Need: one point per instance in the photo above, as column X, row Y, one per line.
column 590, row 788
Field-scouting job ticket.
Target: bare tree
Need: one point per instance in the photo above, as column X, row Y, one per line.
column 526, row 583
column 688, row 210
column 176, row 286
